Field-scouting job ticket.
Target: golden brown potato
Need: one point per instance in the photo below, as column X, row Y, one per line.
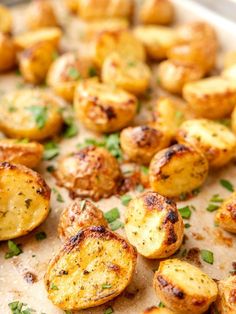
column 35, row 61
column 226, row 302
column 226, row 214
column 177, row 170
column 154, row 225
column 156, row 12
column 184, row 288
column 121, row 42
column 101, row 9
column 173, row 75
column 14, row 151
column 211, row 98
column 233, row 120
column 24, row 200
column 158, row 310
column 32, row 114
column 129, row 74
column 230, row 73
column 5, row 20
column 103, row 108
column 156, row 39
column 7, row 53
column 39, row 14
column 72, row 5
column 230, row 59
column 91, row 172
column 92, row 268
column 215, row 140
column 79, row 215
column 51, row 35
column 140, row 143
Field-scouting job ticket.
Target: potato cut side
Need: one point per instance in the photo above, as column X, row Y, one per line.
column 158, row 310
column 225, row 302
column 93, row 267
column 24, row 200
column 226, row 214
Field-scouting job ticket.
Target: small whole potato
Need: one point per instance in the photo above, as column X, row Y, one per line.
column 184, row 288
column 177, row 170
column 7, row 53
column 40, row 13
column 226, row 215
column 156, row 12
column 91, row 172
column 229, row 59
column 226, row 302
column 32, row 114
column 158, row 310
column 154, row 225
column 211, row 98
column 78, row 215
column 15, row 151
column 5, row 20
column 129, row 74
column 215, row 140
column 140, row 143
column 173, row 75
column 102, row 107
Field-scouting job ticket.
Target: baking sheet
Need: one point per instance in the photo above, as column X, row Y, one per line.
column 202, row 234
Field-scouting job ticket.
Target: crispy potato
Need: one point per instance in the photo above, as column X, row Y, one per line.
column 230, row 73
column 184, row 288
column 177, row 170
column 226, row 302
column 156, row 39
column 5, row 20
column 154, row 225
column 92, row 268
column 103, row 108
column 7, row 53
column 35, row 61
column 101, row 9
column 226, row 214
column 211, row 98
column 32, row 114
column 72, row 5
column 130, row 74
column 51, row 35
column 156, row 12
column 91, row 172
column 40, row 14
column 230, row 59
column 79, row 215
column 24, row 200
column 173, row 75
column 14, row 151
column 215, row 140
column 158, row 310
column 121, row 42
column 140, row 143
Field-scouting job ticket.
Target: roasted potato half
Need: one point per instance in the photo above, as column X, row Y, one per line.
column 121, row 42
column 230, row 73
column 226, row 303
column 226, row 215
column 229, row 59
column 156, row 12
column 7, row 53
column 5, row 20
column 24, row 200
column 156, row 39
column 215, row 140
column 153, row 225
column 91, row 172
column 211, row 98
column 177, row 170
column 184, row 288
column 173, row 75
column 92, row 268
column 79, row 215
column 102, row 107
column 14, row 151
column 132, row 75
column 140, row 143
column 158, row 310
column 32, row 114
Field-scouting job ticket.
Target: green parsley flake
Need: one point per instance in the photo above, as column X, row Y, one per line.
column 17, row 307
column 185, row 212
column 92, row 72
column 216, row 199
column 125, row 199
column 39, row 114
column 187, row 225
column 207, row 256
column 227, row 185
column 13, row 250
column 109, row 310
column 115, row 225
column 106, row 286
column 112, row 215
column 71, row 128
column 53, row 286
column 144, row 170
column 51, row 150
column 58, row 195
column 73, row 73
column 212, row 207
column 39, row 236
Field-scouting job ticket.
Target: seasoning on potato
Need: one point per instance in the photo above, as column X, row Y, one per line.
column 156, row 12
column 226, row 214
column 6, row 20
column 225, row 302
column 7, row 53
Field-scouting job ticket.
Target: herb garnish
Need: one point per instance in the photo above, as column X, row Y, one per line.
column 51, row 150
column 186, row 212
column 207, row 256
column 112, row 215
column 227, row 185
column 58, row 195
column 73, row 73
column 39, row 115
column 92, row 72
column 13, row 249
column 109, row 310
column 17, row 307
column 71, row 128
column 125, row 199
column 41, row 235
column 106, row 286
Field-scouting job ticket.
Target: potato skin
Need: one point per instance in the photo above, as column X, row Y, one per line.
column 79, row 215
column 105, row 259
column 229, row 59
column 91, row 172
column 158, row 310
column 177, row 170
column 18, row 120
column 7, row 53
column 103, row 108
column 26, row 204
column 153, row 225
column 215, row 140
column 156, row 12
column 226, row 303
column 14, row 151
column 185, row 291
column 226, row 214
column 140, row 143
column 5, row 20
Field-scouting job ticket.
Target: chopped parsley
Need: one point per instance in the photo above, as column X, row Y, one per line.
column 187, row 225
column 51, row 150
column 161, row 304
column 144, row 170
column 125, row 199
column 68, row 312
column 106, row 286
column 73, row 73
column 92, row 72
column 216, row 199
column 186, row 212
column 58, row 195
column 117, row 224
column 227, row 185
column 71, row 128
column 50, row 168
column 39, row 114
column 41, row 235
column 207, row 256
column 13, row 249
column 18, row 307
column 109, row 310
column 53, row 286
column 112, row 215
column 212, row 207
